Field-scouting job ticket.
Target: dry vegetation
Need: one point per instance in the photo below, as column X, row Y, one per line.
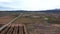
column 39, row 25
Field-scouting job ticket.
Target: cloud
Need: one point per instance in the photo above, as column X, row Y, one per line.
column 30, row 4
column 5, row 0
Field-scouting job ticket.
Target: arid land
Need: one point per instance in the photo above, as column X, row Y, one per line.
column 36, row 23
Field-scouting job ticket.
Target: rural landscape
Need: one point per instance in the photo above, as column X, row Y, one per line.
column 30, row 22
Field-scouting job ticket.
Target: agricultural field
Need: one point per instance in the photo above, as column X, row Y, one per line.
column 36, row 23
column 40, row 25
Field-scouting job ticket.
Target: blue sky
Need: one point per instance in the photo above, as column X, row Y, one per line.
column 29, row 4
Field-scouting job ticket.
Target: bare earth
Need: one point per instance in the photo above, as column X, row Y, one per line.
column 43, row 29
column 5, row 19
column 33, row 26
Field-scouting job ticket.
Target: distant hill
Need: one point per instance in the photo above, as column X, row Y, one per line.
column 46, row 11
column 17, row 12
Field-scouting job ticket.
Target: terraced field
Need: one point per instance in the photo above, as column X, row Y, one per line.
column 13, row 29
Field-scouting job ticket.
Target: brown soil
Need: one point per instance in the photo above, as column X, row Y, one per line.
column 5, row 19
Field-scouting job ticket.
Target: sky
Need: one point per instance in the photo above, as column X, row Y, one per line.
column 30, row 5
